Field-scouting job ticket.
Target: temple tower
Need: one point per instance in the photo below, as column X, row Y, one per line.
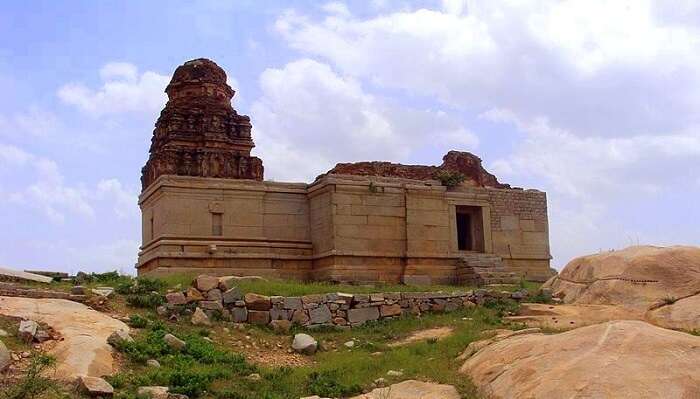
column 198, row 132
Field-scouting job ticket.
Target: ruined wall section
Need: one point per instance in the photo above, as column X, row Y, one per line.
column 520, row 230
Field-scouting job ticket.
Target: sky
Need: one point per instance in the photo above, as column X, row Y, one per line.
column 595, row 102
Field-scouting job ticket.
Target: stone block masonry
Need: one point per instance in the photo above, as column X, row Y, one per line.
column 335, row 309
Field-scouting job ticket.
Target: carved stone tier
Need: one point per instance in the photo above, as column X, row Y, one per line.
column 198, row 132
column 465, row 163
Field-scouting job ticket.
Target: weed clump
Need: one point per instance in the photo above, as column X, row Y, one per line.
column 450, row 179
column 34, row 383
column 327, row 383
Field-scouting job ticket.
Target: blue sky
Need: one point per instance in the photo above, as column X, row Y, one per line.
column 595, row 102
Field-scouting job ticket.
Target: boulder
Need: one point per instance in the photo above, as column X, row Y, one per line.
column 118, row 337
column 617, row 359
column 175, row 298
column 232, row 295
column 228, row 282
column 174, row 342
column 27, row 330
column 305, row 344
column 636, row 277
column 193, row 295
column 682, row 314
column 257, row 302
column 103, row 291
column 214, row 295
column 199, row 318
column 204, row 283
column 5, row 358
column 95, row 386
column 412, row 389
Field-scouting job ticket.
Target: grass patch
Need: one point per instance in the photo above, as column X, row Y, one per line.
column 34, row 384
column 209, row 370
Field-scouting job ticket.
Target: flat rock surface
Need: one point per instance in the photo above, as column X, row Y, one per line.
column 567, row 317
column 24, row 275
column 618, row 359
column 84, row 349
column 412, row 389
column 424, row 335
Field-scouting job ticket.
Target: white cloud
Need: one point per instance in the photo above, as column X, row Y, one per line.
column 123, row 90
column 35, row 122
column 596, row 67
column 309, row 118
column 336, row 8
column 125, row 201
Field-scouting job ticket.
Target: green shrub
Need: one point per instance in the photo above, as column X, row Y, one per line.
column 137, row 321
column 327, row 383
column 33, row 384
column 150, row 300
column 449, row 178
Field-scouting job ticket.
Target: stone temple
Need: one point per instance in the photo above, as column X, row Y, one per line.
column 207, row 209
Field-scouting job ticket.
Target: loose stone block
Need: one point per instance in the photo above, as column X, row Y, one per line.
column 214, row 295
column 257, row 302
column 390, row 310
column 312, row 299
column 211, row 305
column 95, row 386
column 259, row 317
column 300, row 317
column 358, row 316
column 320, row 315
column 292, row 303
column 205, row 283
column 278, row 314
column 175, row 298
column 232, row 295
column 239, row 315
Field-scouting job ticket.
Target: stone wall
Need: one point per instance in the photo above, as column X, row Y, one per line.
column 221, row 298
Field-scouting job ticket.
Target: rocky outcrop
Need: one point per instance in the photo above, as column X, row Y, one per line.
column 198, row 132
column 464, row 163
column 618, row 359
column 660, row 284
column 412, row 389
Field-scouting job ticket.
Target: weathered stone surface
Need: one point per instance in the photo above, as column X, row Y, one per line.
column 304, row 343
column 103, row 291
column 618, row 359
column 27, row 330
column 118, row 337
column 154, row 392
column 465, row 163
column 153, row 363
column 390, row 310
column 77, row 290
column 412, row 389
column 95, row 386
column 214, row 295
column 357, row 316
column 211, row 305
column 232, row 295
column 5, row 358
column 300, row 317
column 83, row 349
column 198, row 132
column 281, row 325
column 205, row 282
column 193, row 295
column 278, row 314
column 259, row 317
column 175, row 298
column 320, row 315
column 293, row 303
column 257, row 302
column 417, row 280
column 239, row 315
column 174, row 342
column 199, row 318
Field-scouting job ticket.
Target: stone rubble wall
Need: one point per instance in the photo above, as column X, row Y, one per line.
column 220, row 297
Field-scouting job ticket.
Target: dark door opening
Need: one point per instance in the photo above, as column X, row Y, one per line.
column 464, row 231
column 470, row 228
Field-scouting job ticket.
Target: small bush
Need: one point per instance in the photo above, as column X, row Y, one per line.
column 327, row 383
column 33, row 384
column 669, row 300
column 150, row 300
column 503, row 307
column 138, row 321
column 449, row 178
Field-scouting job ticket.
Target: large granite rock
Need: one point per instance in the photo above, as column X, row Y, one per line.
column 617, row 359
column 663, row 281
column 412, row 389
column 96, row 386
column 198, row 132
column 304, row 343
